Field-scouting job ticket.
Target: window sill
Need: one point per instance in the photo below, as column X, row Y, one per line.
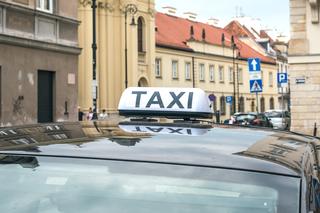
column 221, row 82
column 45, row 11
column 159, row 76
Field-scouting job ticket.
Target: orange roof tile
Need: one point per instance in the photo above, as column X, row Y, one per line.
column 175, row 32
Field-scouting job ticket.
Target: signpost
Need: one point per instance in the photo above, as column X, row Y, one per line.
column 229, row 99
column 282, row 79
column 254, row 66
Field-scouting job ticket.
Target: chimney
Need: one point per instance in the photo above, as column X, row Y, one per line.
column 214, row 22
column 190, row 16
column 170, row 10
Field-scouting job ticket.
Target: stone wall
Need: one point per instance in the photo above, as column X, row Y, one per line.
column 304, row 66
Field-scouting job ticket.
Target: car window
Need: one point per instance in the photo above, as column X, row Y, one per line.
column 273, row 114
column 243, row 117
column 37, row 185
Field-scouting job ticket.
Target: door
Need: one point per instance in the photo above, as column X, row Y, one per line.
column 45, row 96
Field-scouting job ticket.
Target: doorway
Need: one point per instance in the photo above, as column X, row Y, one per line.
column 45, row 96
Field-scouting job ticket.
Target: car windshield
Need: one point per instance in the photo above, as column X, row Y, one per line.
column 247, row 117
column 274, row 114
column 63, row 185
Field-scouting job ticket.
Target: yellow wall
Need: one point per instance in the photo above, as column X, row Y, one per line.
column 111, row 50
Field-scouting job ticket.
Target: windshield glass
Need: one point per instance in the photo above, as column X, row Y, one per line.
column 55, row 185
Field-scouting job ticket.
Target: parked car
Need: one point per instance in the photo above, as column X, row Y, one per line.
column 252, row 119
column 280, row 119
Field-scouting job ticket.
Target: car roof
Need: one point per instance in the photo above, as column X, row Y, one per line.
column 237, row 148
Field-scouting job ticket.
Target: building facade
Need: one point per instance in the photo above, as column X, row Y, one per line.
column 162, row 52
column 304, row 60
column 194, row 54
column 38, row 61
column 116, row 37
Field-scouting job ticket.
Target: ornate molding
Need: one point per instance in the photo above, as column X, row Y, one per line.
column 85, row 3
column 100, row 4
column 314, row 11
column 106, row 6
column 152, row 12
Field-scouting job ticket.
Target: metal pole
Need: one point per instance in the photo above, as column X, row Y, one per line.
column 234, row 79
column 126, row 50
column 257, row 102
column 238, row 89
column 282, row 102
column 94, row 58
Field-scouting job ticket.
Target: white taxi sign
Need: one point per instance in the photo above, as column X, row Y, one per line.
column 167, row 102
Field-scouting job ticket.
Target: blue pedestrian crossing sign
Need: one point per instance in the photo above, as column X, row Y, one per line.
column 254, row 64
column 255, row 86
column 282, row 78
column 229, row 99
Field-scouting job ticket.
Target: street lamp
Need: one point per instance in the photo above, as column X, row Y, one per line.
column 234, row 46
column 130, row 9
column 94, row 59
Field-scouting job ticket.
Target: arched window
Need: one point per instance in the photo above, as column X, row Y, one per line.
column 241, row 104
column 215, row 105
column 252, row 106
column 223, row 105
column 271, row 103
column 262, row 105
column 140, row 34
column 143, row 82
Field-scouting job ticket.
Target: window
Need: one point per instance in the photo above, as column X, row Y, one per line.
column 262, row 105
column 271, row 103
column 230, row 74
column 223, row 105
column 241, row 104
column 201, row 72
column 240, row 76
column 262, row 77
column 221, row 74
column 45, row 5
column 140, row 35
column 188, row 70
column 215, row 105
column 175, row 69
column 252, row 106
column 270, row 79
column 211, row 73
column 158, row 67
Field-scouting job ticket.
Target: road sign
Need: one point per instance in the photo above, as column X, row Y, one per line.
column 282, row 78
column 229, row 99
column 254, row 64
column 256, row 86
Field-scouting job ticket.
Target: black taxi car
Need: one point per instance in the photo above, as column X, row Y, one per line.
column 143, row 164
